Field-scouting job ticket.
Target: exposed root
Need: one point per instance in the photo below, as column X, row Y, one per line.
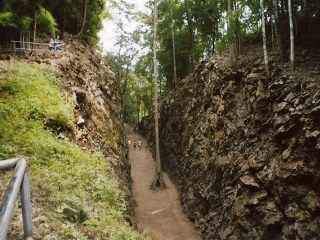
column 158, row 182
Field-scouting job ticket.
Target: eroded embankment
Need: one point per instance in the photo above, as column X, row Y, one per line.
column 93, row 86
column 73, row 138
column 244, row 148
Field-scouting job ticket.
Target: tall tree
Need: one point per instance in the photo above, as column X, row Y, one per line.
column 127, row 42
column 64, row 18
column 265, row 52
column 158, row 181
column 173, row 45
column 231, row 29
column 291, row 36
column 276, row 26
column 84, row 18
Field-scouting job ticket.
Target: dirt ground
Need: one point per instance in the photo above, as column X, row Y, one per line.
column 158, row 211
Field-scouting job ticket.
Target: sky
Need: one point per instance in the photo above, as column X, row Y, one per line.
column 107, row 34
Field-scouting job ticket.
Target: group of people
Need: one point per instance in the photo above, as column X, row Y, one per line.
column 135, row 143
column 54, row 44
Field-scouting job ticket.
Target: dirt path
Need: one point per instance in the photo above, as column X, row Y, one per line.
column 159, row 211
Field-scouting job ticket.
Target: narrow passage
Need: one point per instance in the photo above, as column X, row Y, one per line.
column 159, row 211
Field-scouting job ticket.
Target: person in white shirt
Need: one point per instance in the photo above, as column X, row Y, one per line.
column 139, row 143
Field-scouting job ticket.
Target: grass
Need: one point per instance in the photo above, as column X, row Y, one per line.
column 74, row 194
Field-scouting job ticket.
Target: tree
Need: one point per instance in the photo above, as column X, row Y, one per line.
column 122, row 61
column 158, row 181
column 7, row 19
column 144, row 72
column 45, row 21
column 173, row 45
column 231, row 29
column 291, row 36
column 20, row 18
column 194, row 25
column 265, row 52
column 84, row 18
column 276, row 26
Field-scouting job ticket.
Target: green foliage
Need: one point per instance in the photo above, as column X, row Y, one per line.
column 74, row 193
column 7, row 19
column 67, row 14
column 24, row 23
column 46, row 21
column 205, row 27
column 196, row 32
column 96, row 13
column 138, row 101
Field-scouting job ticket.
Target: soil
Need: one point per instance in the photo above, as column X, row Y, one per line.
column 158, row 211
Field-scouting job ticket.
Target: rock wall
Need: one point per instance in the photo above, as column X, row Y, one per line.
column 244, row 148
column 98, row 118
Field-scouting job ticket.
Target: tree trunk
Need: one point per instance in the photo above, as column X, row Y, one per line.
column 138, row 111
column 173, row 47
column 276, row 27
column 291, row 36
column 29, row 37
column 233, row 48
column 34, row 28
column 191, row 42
column 265, row 53
column 237, row 32
column 23, row 39
column 64, row 20
column 272, row 33
column 158, row 181
column 120, row 88
column 215, row 35
column 282, row 7
column 85, row 8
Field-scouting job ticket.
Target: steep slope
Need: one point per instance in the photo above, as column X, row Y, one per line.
column 63, row 114
column 244, row 149
column 93, row 87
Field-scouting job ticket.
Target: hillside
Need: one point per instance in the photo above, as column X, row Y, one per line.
column 243, row 148
column 63, row 114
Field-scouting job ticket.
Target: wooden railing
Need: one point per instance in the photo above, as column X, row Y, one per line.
column 20, row 46
column 18, row 183
column 32, row 46
column 29, row 46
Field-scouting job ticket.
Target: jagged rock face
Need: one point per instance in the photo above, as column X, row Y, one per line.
column 99, row 124
column 244, row 149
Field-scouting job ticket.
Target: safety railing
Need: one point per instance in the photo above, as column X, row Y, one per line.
column 19, row 183
column 29, row 46
column 21, row 47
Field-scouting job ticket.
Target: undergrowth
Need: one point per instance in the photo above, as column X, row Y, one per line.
column 74, row 195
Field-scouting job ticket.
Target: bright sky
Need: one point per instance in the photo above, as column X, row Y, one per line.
column 107, row 34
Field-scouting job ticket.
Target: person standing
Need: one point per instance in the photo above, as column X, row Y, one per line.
column 56, row 42
column 129, row 142
column 139, row 143
column 51, row 44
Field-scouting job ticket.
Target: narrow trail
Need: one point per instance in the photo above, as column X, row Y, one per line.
column 158, row 211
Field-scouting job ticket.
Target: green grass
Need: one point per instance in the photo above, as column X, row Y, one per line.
column 74, row 194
